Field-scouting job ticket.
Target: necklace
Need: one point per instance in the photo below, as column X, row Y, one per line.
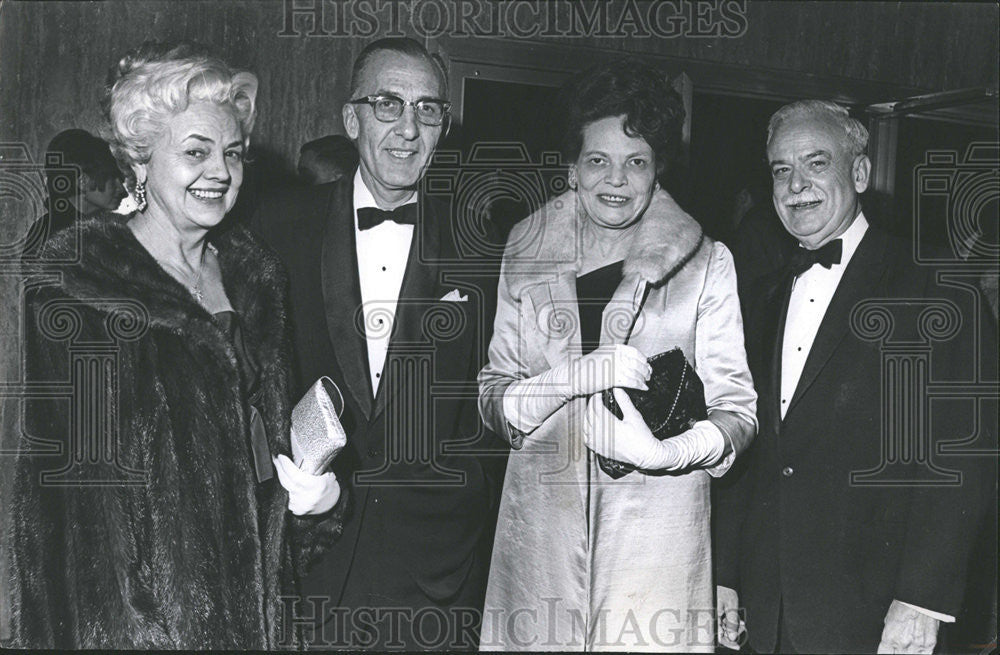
column 194, row 288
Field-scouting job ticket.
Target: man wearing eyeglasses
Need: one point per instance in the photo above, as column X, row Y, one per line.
column 367, row 259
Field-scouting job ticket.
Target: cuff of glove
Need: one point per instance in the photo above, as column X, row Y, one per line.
column 308, row 494
column 699, row 447
column 527, row 403
column 940, row 616
column 729, row 450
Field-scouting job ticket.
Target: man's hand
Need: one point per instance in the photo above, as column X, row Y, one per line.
column 731, row 625
column 908, row 631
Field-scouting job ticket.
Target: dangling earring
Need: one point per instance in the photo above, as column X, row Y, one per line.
column 140, row 196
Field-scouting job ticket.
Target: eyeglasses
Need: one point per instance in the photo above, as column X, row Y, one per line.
column 389, row 108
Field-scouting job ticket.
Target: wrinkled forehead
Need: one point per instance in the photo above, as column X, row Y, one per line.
column 407, row 76
column 802, row 135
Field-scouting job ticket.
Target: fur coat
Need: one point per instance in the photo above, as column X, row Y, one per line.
column 149, row 529
column 582, row 561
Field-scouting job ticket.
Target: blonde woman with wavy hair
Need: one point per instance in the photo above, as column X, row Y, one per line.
column 167, row 524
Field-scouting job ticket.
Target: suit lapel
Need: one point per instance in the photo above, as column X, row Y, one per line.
column 860, row 280
column 342, row 297
column 773, row 335
column 764, row 335
column 420, row 288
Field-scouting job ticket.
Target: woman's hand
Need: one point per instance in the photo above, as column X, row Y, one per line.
column 527, row 403
column 607, row 367
column 627, row 440
column 307, row 494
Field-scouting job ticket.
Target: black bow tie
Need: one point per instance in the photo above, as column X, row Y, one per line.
column 369, row 217
column 803, row 259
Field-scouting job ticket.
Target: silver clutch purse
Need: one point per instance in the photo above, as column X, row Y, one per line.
column 317, row 434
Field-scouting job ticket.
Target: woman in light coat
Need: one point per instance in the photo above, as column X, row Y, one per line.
column 583, row 561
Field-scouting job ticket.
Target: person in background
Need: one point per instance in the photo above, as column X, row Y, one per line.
column 755, row 236
column 327, row 159
column 96, row 185
column 583, row 561
column 148, row 514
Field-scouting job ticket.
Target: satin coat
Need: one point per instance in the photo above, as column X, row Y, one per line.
column 582, row 561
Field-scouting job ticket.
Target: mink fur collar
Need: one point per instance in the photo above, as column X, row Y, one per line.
column 110, row 263
column 550, row 238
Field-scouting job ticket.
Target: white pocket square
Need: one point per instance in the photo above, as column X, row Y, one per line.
column 454, row 296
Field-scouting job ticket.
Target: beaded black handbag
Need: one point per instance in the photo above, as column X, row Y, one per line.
column 675, row 401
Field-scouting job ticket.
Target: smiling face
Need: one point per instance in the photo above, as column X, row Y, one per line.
column 616, row 173
column 196, row 168
column 816, row 179
column 393, row 155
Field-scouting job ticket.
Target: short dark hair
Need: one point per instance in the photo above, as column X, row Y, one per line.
column 402, row 46
column 653, row 110
column 76, row 147
column 335, row 149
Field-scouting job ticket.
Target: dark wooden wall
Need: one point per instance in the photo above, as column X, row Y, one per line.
column 54, row 57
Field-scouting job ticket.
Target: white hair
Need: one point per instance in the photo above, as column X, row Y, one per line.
column 856, row 136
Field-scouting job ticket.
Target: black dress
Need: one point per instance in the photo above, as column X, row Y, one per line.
column 229, row 321
column 593, row 292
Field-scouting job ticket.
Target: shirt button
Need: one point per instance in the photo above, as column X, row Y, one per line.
column 787, row 471
column 378, row 375
column 383, row 268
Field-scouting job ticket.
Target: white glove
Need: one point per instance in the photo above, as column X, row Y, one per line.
column 307, row 494
column 527, row 403
column 629, row 439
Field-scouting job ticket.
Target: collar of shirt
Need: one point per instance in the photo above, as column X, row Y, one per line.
column 851, row 238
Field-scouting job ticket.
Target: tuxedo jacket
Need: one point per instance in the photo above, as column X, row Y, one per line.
column 421, row 497
column 828, row 518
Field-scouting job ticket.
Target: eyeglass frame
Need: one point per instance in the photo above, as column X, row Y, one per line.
column 370, row 100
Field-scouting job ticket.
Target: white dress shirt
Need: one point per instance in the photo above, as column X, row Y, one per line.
column 812, row 292
column 383, row 252
column 811, row 295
